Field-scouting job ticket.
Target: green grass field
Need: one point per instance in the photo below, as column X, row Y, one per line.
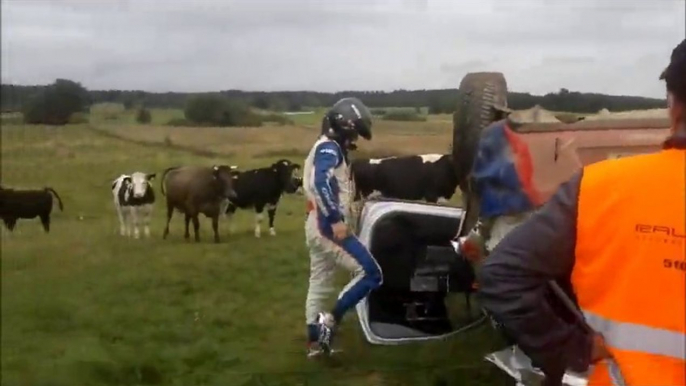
column 85, row 306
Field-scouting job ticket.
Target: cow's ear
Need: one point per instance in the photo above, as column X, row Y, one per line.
column 151, row 176
column 127, row 180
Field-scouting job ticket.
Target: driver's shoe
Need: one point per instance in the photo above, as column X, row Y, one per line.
column 314, row 350
column 326, row 325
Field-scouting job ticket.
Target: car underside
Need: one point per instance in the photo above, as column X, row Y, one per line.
column 412, row 244
column 428, row 285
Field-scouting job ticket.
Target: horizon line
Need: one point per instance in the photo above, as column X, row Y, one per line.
column 322, row 92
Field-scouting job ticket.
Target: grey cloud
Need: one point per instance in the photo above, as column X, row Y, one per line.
column 463, row 67
column 541, row 45
column 567, row 60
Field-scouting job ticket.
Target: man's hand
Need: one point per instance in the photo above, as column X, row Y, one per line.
column 340, row 230
column 473, row 248
column 599, row 350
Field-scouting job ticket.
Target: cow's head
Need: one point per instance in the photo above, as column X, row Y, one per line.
column 139, row 183
column 286, row 172
column 223, row 175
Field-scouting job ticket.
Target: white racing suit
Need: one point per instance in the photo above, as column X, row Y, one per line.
column 326, row 185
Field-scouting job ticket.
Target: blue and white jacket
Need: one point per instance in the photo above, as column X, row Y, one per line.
column 326, row 181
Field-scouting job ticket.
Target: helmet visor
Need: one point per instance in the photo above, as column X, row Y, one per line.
column 363, row 128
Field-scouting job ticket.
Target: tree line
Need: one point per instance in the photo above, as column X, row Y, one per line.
column 15, row 97
column 66, row 101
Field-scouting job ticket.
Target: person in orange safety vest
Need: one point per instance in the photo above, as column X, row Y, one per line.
column 616, row 233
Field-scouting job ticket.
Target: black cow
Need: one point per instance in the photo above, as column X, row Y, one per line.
column 27, row 204
column 428, row 177
column 262, row 187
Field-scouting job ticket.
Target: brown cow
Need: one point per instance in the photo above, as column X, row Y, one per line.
column 197, row 189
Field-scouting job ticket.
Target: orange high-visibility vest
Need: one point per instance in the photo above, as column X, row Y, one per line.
column 630, row 268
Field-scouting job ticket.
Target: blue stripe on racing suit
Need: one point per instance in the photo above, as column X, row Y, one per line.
column 363, row 283
column 371, row 280
column 327, row 157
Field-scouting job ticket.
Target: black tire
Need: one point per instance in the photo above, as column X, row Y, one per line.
column 479, row 95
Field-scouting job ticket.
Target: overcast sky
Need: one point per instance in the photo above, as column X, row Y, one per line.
column 607, row 46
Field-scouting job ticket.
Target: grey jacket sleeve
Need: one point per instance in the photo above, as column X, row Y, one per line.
column 514, row 289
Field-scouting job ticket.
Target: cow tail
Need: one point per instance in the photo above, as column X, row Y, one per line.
column 164, row 174
column 59, row 200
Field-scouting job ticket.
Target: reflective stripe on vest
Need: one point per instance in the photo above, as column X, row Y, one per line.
column 637, row 337
column 630, row 266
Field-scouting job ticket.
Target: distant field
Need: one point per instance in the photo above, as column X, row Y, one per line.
column 249, row 146
column 310, row 116
column 114, row 113
column 83, row 306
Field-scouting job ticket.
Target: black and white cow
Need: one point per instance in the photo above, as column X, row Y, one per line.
column 133, row 200
column 299, row 185
column 260, row 188
column 429, row 177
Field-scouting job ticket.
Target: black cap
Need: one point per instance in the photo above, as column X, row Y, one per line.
column 678, row 55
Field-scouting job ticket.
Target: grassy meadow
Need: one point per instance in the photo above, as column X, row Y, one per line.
column 85, row 306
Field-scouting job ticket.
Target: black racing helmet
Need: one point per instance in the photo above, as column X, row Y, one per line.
column 348, row 118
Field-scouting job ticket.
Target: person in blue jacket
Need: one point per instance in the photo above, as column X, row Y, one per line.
column 327, row 187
